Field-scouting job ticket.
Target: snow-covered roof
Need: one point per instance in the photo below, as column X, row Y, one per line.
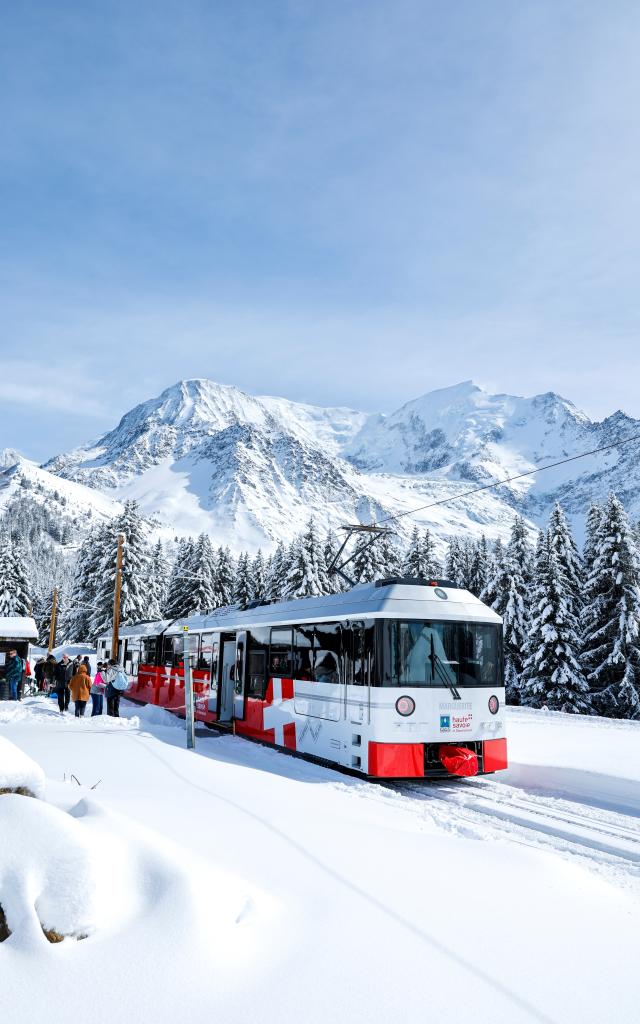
column 17, row 627
column 139, row 629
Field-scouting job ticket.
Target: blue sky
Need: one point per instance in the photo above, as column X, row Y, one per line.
column 342, row 203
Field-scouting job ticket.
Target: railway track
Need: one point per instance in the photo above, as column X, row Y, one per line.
column 485, row 809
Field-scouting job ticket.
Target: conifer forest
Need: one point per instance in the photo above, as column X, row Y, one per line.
column 571, row 617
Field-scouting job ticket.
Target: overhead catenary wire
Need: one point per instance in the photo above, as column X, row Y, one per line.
column 510, row 479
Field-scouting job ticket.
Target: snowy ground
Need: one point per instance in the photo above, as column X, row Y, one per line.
column 239, row 884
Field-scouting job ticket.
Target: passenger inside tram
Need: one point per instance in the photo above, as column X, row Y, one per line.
column 327, row 670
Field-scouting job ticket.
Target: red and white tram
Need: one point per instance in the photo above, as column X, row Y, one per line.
column 401, row 678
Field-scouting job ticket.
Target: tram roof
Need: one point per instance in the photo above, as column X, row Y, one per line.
column 139, row 629
column 366, row 600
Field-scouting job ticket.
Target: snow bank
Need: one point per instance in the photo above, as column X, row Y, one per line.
column 17, row 771
column 594, row 760
column 52, row 875
column 149, row 714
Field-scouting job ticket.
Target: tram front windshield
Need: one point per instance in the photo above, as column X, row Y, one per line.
column 442, row 654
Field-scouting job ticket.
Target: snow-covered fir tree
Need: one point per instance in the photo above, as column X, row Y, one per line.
column 369, row 563
column 611, row 652
column 200, row 577
column 552, row 674
column 135, row 589
column 561, row 542
column 307, row 574
column 243, row 587
column 479, row 567
column 506, row 592
column 258, row 577
column 520, row 550
column 224, row 579
column 77, row 612
column 420, row 559
column 178, row 598
column 15, row 598
column 412, row 562
column 432, row 566
column 159, row 581
column 455, row 562
column 496, row 557
column 391, row 555
column 278, row 572
column 331, row 548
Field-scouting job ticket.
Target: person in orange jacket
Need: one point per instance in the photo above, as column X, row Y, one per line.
column 80, row 687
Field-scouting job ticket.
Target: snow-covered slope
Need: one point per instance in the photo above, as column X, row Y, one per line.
column 64, row 498
column 250, row 470
column 298, row 894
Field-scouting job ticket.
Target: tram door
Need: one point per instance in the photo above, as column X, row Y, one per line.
column 358, row 677
column 240, row 675
column 227, row 678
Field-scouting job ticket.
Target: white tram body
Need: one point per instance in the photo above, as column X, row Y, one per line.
column 393, row 679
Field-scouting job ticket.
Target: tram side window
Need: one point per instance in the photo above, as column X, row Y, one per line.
column 131, row 657
column 327, row 661
column 215, row 650
column 148, row 655
column 280, row 661
column 258, row 643
column 303, row 652
column 257, row 674
column 177, row 650
column 359, row 645
column 205, row 651
column 167, row 650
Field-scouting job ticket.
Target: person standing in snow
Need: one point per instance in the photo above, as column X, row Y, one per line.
column 50, row 673
column 38, row 672
column 14, row 670
column 63, row 674
column 80, row 687
column 87, row 664
column 114, row 674
column 97, row 691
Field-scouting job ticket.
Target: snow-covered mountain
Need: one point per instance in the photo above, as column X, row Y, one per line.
column 19, row 477
column 250, row 470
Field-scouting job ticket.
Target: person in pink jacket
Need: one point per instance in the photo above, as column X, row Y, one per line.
column 97, row 691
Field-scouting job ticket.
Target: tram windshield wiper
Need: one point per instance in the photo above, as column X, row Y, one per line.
column 444, row 675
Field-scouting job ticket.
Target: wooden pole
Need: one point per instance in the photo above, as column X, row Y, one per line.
column 116, row 599
column 54, row 616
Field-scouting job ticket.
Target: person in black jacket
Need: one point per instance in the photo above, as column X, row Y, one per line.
column 63, row 674
column 50, row 673
column 38, row 672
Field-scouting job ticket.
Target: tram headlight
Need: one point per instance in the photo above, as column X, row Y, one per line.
column 405, row 706
column 494, row 705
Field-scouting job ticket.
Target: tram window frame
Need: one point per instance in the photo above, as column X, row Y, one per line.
column 258, row 642
column 302, row 660
column 167, row 651
column 177, row 645
column 279, row 649
column 203, row 660
column 323, row 650
column 390, row 673
column 149, row 651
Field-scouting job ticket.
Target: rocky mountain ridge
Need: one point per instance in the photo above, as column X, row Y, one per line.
column 250, row 470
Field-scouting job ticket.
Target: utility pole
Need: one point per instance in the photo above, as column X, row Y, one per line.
column 188, row 692
column 54, row 616
column 116, row 599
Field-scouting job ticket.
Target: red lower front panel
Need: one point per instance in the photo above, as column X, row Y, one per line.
column 494, row 755
column 396, row 760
